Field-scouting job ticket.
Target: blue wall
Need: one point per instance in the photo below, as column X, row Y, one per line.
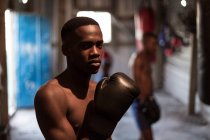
column 33, row 57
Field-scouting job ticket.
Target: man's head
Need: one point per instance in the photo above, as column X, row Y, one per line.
column 82, row 44
column 149, row 41
column 73, row 24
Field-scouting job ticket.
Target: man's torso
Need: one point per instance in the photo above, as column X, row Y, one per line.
column 73, row 106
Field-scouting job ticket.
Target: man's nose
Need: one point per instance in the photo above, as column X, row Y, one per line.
column 95, row 50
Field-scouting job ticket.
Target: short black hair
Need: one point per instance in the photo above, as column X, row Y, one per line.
column 74, row 23
column 148, row 35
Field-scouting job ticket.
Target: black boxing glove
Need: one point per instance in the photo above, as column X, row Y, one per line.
column 113, row 97
column 150, row 109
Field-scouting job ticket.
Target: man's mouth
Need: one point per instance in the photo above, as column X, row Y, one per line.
column 96, row 62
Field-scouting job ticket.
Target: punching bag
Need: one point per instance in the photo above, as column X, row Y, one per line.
column 147, row 23
column 203, row 36
column 144, row 22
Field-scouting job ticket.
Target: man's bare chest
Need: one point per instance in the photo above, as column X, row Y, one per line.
column 76, row 110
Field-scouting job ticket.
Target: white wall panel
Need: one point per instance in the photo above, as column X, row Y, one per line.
column 177, row 75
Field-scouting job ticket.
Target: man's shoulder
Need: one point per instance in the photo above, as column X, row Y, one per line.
column 49, row 86
column 141, row 54
column 142, row 57
column 51, row 90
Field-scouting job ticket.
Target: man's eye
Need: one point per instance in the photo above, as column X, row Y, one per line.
column 86, row 46
column 99, row 45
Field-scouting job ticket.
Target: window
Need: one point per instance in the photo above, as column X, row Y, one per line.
column 104, row 20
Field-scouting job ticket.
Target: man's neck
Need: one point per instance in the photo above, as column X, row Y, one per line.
column 150, row 56
column 78, row 83
column 78, row 78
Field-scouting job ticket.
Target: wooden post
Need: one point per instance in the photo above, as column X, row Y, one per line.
column 64, row 13
column 61, row 19
column 4, row 117
column 193, row 87
column 193, row 77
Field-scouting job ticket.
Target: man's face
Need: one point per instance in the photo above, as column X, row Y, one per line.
column 86, row 50
column 151, row 44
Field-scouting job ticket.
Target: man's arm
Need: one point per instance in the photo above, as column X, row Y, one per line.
column 51, row 116
column 142, row 75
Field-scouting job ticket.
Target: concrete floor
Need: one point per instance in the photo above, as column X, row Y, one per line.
column 175, row 124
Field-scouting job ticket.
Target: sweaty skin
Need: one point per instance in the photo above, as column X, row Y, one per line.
column 60, row 104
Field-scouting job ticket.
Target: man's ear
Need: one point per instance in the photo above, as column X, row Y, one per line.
column 65, row 50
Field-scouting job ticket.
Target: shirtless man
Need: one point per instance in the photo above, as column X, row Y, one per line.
column 66, row 106
column 142, row 75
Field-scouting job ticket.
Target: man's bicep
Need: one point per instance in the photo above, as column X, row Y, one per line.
column 58, row 133
column 52, row 120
